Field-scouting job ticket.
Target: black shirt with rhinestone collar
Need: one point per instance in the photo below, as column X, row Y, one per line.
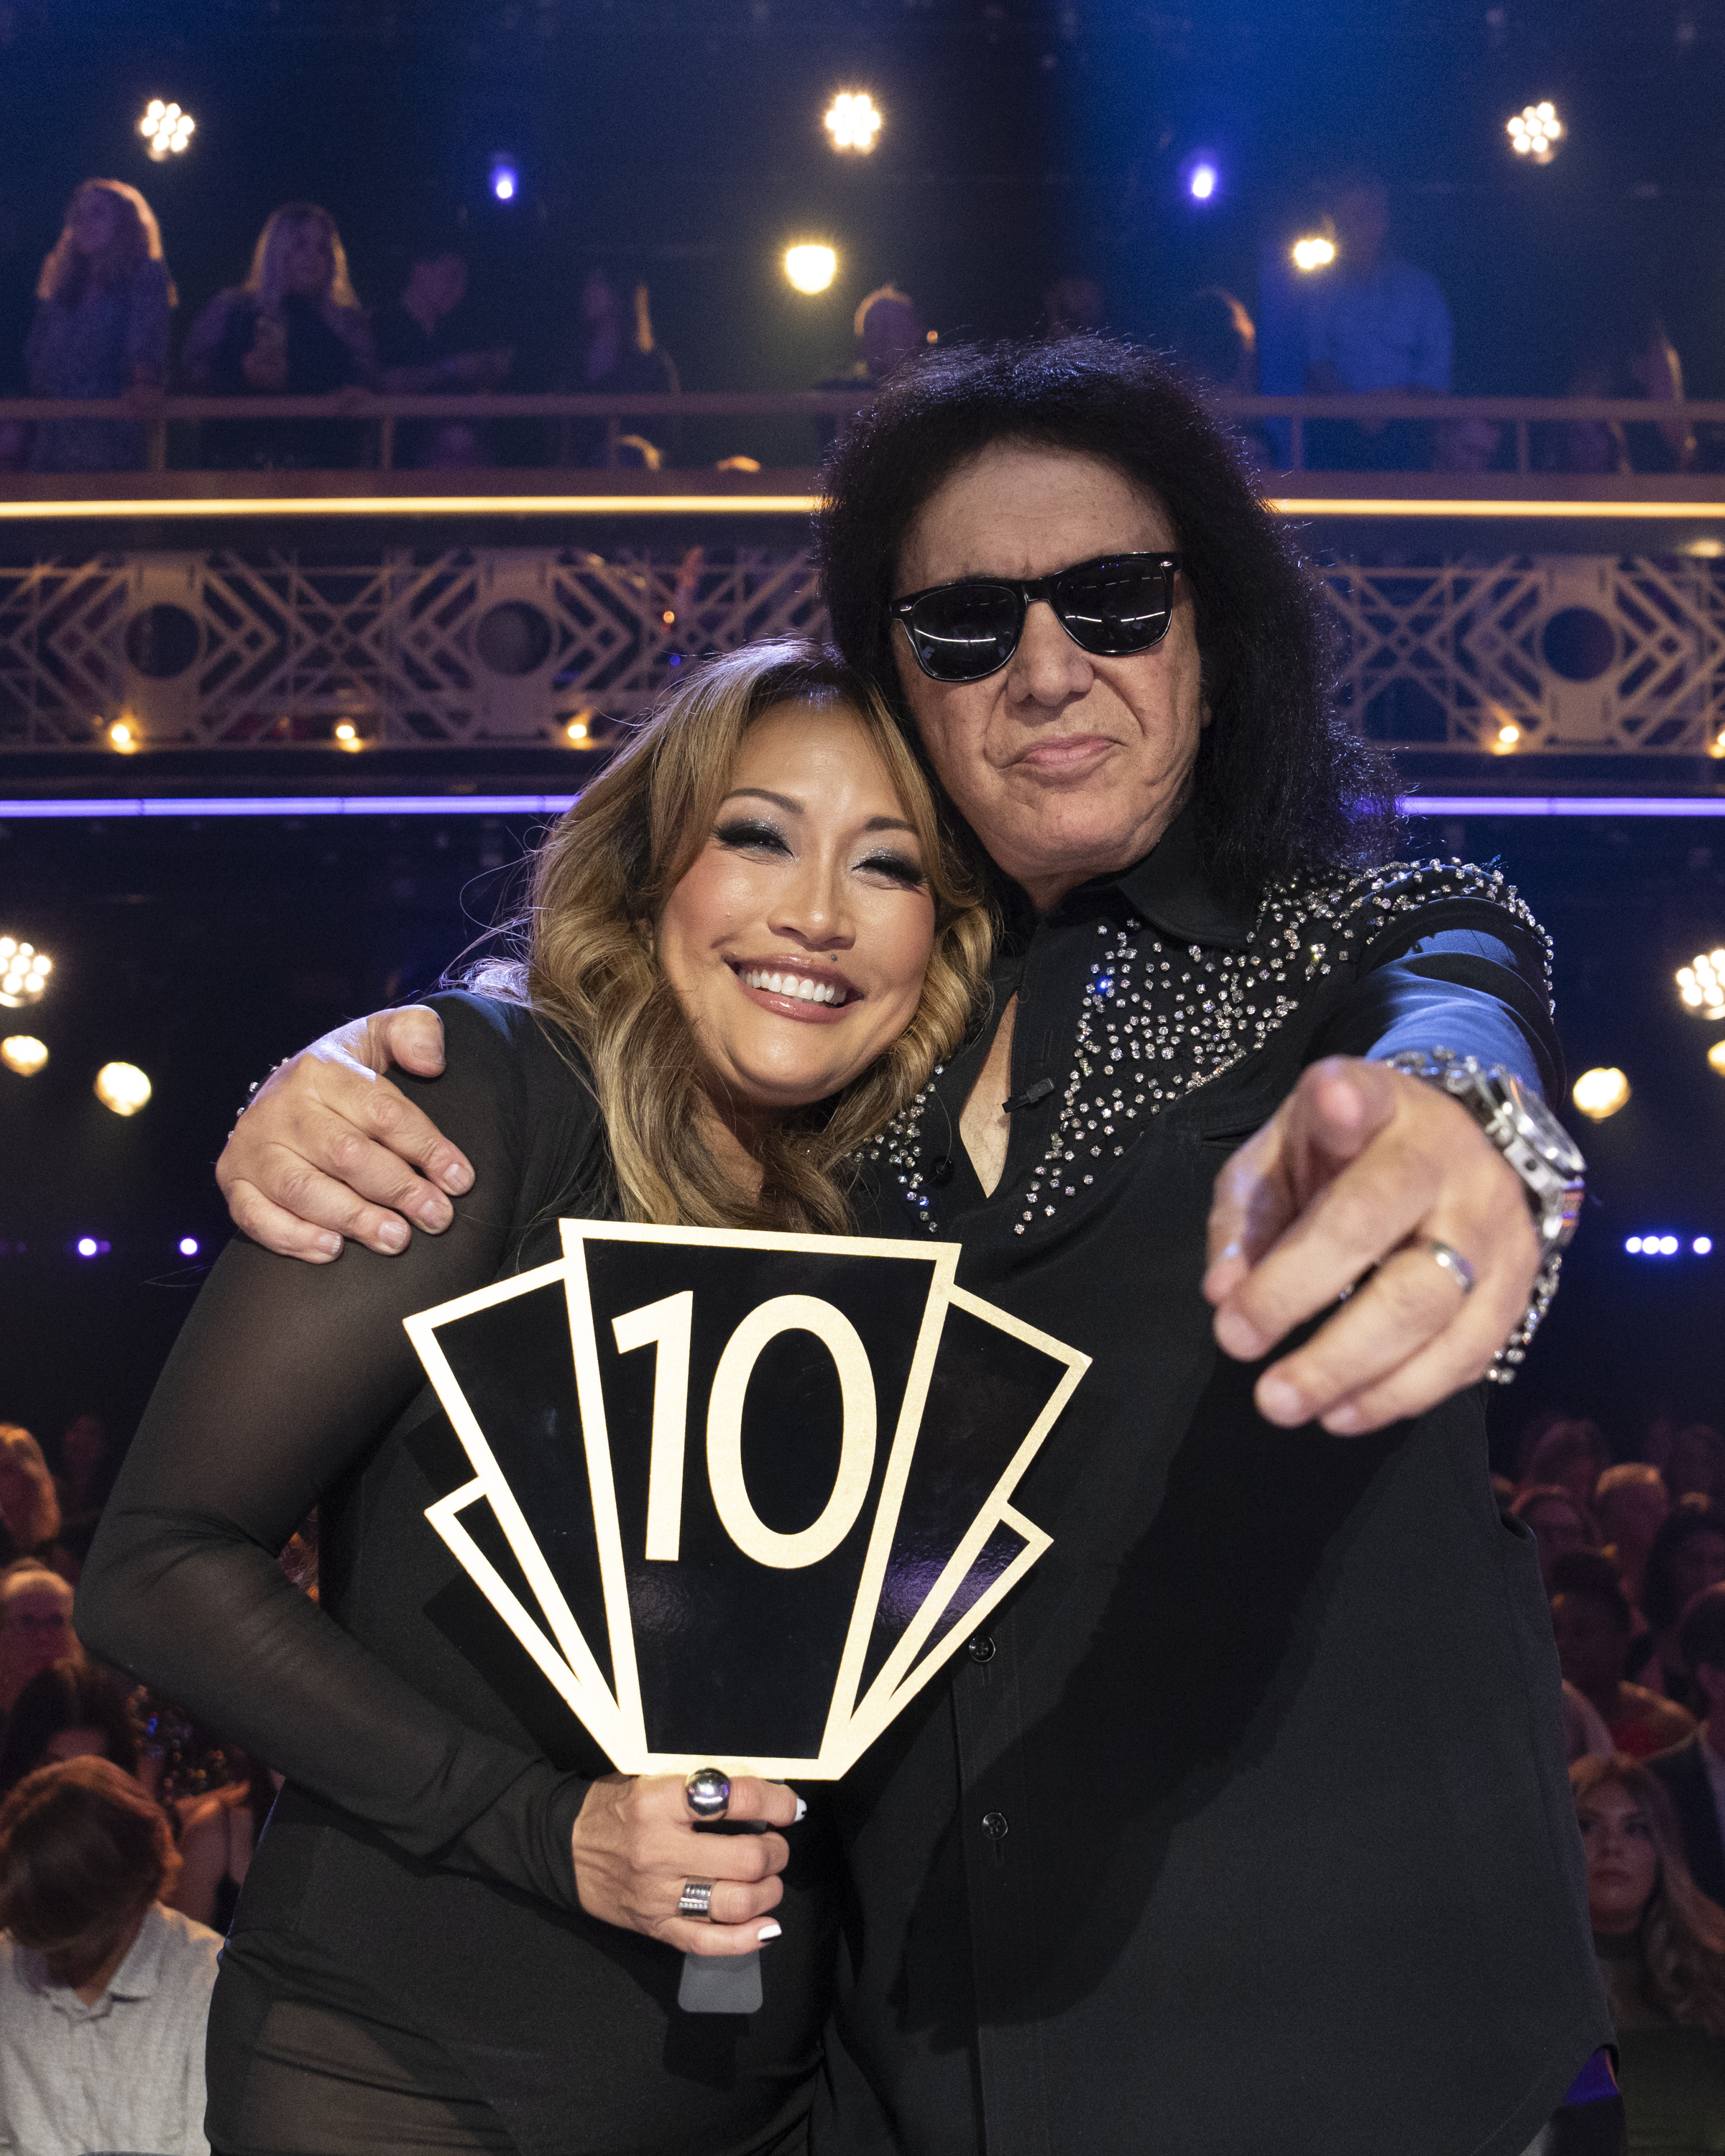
column 1246, row 1824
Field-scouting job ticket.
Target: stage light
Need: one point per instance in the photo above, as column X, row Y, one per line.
column 1716, row 1056
column 123, row 735
column 1314, row 252
column 1654, row 1246
column 577, row 730
column 1701, row 984
column 1702, row 1246
column 1535, row 132
column 23, row 1052
column 852, row 121
column 122, row 1087
column 189, row 1246
column 345, row 731
column 165, row 128
column 810, row 268
column 23, row 973
column 1508, row 735
column 506, row 179
column 1201, row 175
column 1601, row 1093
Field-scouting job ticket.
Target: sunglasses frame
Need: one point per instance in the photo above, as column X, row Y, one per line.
column 1026, row 590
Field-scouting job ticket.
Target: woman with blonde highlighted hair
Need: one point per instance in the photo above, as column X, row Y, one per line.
column 104, row 302
column 29, row 1508
column 294, row 328
column 748, row 944
column 1661, row 1949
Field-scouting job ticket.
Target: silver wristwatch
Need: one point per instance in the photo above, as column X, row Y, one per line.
column 1537, row 1147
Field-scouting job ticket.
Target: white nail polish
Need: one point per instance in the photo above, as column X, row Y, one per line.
column 770, row 1932
column 802, row 1813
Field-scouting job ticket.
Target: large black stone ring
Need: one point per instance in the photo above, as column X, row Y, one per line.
column 696, row 1899
column 1453, row 1263
column 709, row 1792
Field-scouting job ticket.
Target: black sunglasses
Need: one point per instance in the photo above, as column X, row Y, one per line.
column 1117, row 604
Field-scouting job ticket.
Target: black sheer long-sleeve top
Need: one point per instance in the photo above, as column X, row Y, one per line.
column 416, row 1877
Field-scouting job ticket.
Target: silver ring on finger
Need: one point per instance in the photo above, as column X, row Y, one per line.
column 1453, row 1263
column 708, row 1790
column 696, row 1899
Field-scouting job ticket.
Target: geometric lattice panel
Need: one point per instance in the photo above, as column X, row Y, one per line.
column 1583, row 653
column 220, row 650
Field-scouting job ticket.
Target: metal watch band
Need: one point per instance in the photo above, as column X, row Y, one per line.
column 1552, row 1177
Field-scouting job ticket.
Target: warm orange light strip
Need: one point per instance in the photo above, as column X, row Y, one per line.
column 422, row 505
column 1392, row 505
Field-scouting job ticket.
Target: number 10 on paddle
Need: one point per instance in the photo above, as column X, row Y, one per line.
column 740, row 1495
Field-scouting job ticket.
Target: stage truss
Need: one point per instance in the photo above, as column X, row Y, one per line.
column 1578, row 653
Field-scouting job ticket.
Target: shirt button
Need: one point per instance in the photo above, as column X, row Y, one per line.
column 982, row 1648
column 994, row 1826
column 940, row 1171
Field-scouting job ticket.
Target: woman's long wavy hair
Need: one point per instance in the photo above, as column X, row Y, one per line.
column 585, row 957
column 1682, row 1932
column 1281, row 788
column 264, row 278
column 67, row 273
column 42, row 1522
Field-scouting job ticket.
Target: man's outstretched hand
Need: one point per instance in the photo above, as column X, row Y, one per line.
column 329, row 1149
column 1361, row 1167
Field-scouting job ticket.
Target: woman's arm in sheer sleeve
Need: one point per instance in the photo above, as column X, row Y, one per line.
column 283, row 1379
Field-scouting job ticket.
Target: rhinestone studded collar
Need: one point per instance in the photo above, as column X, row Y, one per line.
column 1161, row 1019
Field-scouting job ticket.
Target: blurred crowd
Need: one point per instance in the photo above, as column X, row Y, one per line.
column 1366, row 322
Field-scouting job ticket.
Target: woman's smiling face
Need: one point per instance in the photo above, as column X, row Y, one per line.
column 798, row 937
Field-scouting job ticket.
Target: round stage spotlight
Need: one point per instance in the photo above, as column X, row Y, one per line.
column 810, row 268
column 165, row 128
column 122, row 1087
column 23, row 1052
column 23, row 973
column 506, row 179
column 1701, row 984
column 1601, row 1093
column 1702, row 1246
column 187, row 1246
column 1313, row 252
column 1716, row 1056
column 1535, row 132
column 853, row 120
column 1201, row 177
column 90, row 1246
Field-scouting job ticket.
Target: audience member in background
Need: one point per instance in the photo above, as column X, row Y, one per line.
column 103, row 1994
column 1216, row 344
column 1557, row 1522
column 616, row 355
column 104, row 302
column 294, row 329
column 1694, row 1772
column 85, row 1475
column 1661, row 1947
column 1639, row 362
column 1371, row 323
column 218, row 1834
column 1072, row 307
column 1591, row 1622
column 1695, row 1464
column 1630, row 1504
column 1689, row 1554
column 35, row 1626
column 888, row 329
column 29, row 1507
column 417, row 356
column 1584, row 1731
column 1572, row 1453
column 73, row 1711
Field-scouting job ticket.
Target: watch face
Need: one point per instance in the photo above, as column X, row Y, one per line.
column 1543, row 1130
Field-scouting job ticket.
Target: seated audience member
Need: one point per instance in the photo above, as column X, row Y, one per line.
column 295, row 329
column 74, row 1710
column 35, row 1626
column 1687, row 1554
column 1573, row 1454
column 1072, row 307
column 29, row 1508
column 615, row 356
column 1630, row 1504
column 104, row 304
column 1695, row 1464
column 1584, row 1731
column 218, row 1834
column 1215, row 343
column 1637, row 362
column 888, row 329
column 1661, row 1947
column 1591, row 1621
column 1558, row 1524
column 417, row 356
column 103, row 1994
column 85, row 1475
column 1694, row 1772
column 1372, row 322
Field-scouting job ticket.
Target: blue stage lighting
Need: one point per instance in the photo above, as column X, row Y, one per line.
column 88, row 1246
column 189, row 1246
column 1201, row 181
column 1702, row 1246
column 506, row 179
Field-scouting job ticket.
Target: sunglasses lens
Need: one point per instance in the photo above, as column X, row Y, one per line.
column 1116, row 606
column 965, row 632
